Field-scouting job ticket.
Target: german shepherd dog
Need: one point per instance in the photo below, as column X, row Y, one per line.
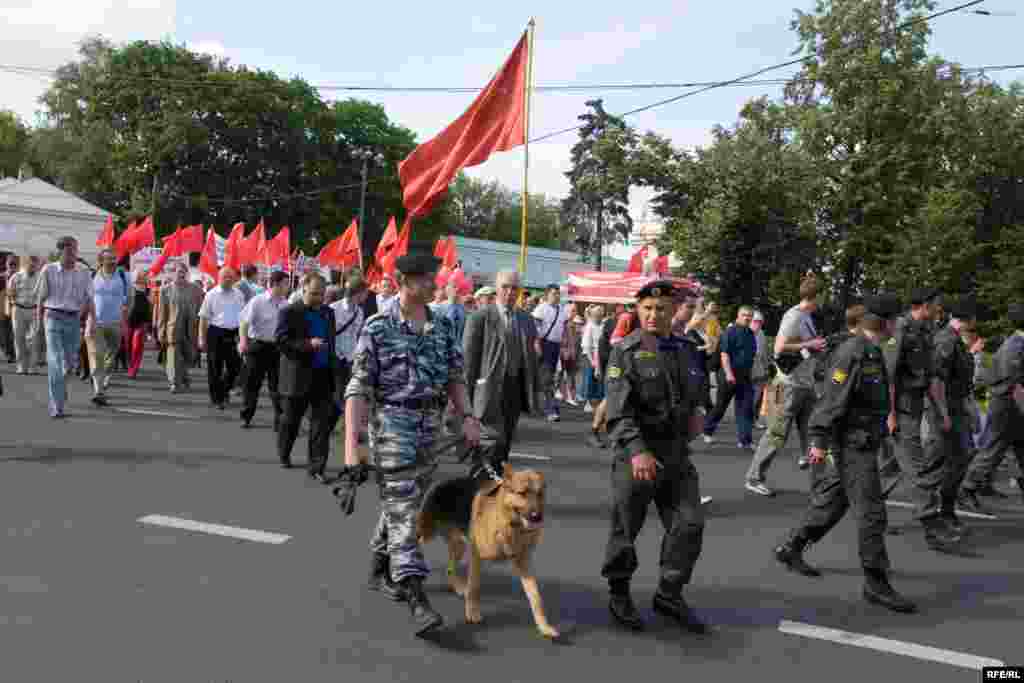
column 498, row 521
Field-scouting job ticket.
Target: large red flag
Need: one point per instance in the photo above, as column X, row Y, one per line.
column 233, row 247
column 441, row 247
column 146, row 234
column 253, row 246
column 495, row 122
column 636, row 261
column 191, row 239
column 135, row 237
column 106, row 238
column 279, row 248
column 208, row 257
column 450, row 257
column 342, row 251
column 172, row 247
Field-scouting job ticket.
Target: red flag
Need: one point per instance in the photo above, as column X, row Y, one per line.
column 400, row 248
column 135, row 237
column 441, row 247
column 495, row 122
column 106, row 238
column 450, row 258
column 278, row 248
column 233, row 247
column 636, row 261
column 146, row 234
column 441, row 279
column 191, row 238
column 387, row 241
column 373, row 274
column 342, row 251
column 661, row 265
column 253, row 246
column 463, row 286
column 208, row 257
column 172, row 247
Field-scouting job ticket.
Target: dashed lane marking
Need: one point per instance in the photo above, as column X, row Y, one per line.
column 527, row 456
column 215, row 529
column 962, row 513
column 898, row 647
column 159, row 413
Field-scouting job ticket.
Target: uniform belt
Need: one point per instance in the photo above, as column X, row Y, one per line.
column 28, row 308
column 61, row 311
column 417, row 403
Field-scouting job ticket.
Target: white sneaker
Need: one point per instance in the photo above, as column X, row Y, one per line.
column 759, row 488
column 553, row 418
column 588, row 408
column 709, row 439
column 572, row 402
column 106, row 382
column 558, row 395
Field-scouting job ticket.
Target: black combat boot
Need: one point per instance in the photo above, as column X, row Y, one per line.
column 595, row 440
column 791, row 554
column 939, row 536
column 423, row 615
column 380, row 578
column 877, row 590
column 620, row 604
column 669, row 602
column 968, row 500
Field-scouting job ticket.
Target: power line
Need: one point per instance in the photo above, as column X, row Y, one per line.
column 792, row 62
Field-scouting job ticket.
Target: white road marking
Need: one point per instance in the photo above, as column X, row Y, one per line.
column 704, row 500
column 527, row 456
column 962, row 513
column 160, row 413
column 898, row 647
column 216, row 529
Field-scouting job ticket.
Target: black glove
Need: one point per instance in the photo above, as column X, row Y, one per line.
column 350, row 479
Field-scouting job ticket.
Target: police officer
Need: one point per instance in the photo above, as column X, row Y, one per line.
column 409, row 362
column 849, row 423
column 1005, row 416
column 945, row 449
column 652, row 415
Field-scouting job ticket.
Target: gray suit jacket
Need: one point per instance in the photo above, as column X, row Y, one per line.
column 483, row 343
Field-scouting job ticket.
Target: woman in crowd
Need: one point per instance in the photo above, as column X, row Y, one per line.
column 593, row 382
column 569, row 354
column 140, row 313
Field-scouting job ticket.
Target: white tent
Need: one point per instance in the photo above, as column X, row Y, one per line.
column 35, row 214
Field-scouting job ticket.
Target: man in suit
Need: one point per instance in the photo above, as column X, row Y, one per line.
column 305, row 339
column 501, row 367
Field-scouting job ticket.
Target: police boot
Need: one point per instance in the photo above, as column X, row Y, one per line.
column 791, row 554
column 668, row 602
column 878, row 591
column 940, row 537
column 423, row 615
column 595, row 440
column 620, row 604
column 968, row 500
column 380, row 578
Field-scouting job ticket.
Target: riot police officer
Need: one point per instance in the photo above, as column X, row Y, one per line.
column 1006, row 418
column 849, row 423
column 653, row 414
column 946, row 453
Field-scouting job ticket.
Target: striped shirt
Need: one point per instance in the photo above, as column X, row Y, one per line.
column 21, row 288
column 64, row 289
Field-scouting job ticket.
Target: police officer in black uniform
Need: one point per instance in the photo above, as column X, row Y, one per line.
column 946, row 452
column 1006, row 385
column 653, row 414
column 849, row 423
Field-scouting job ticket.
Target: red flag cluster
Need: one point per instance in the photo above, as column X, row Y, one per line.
column 636, row 262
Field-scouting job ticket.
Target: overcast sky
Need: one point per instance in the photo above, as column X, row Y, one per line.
column 457, row 43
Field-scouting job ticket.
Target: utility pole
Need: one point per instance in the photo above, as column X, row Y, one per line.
column 362, row 211
column 599, row 240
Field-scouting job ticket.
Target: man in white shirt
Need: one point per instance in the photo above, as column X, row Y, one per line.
column 219, row 318
column 551, row 318
column 21, row 292
column 103, row 338
column 348, row 318
column 257, row 342
column 64, row 295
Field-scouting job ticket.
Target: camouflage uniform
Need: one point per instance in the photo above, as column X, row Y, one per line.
column 406, row 375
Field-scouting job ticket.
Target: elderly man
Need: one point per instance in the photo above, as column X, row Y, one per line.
column 485, row 296
column 257, row 341
column 177, row 324
column 348, row 316
column 409, row 362
column 219, row 318
column 21, row 292
column 7, row 271
column 64, row 295
column 103, row 337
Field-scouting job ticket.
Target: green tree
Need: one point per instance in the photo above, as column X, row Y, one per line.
column 597, row 208
column 14, row 144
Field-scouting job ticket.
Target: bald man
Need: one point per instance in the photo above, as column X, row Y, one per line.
column 219, row 318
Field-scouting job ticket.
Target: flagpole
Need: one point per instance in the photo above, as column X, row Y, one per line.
column 528, row 91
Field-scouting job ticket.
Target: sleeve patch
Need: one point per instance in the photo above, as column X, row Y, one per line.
column 839, row 376
column 645, row 355
column 614, row 372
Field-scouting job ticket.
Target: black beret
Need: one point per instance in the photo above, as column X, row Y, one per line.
column 964, row 309
column 419, row 260
column 883, row 305
column 923, row 295
column 1016, row 314
column 658, row 288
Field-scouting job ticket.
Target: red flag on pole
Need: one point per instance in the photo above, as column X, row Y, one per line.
column 636, row 261
column 106, row 238
column 278, row 249
column 233, row 247
column 191, row 239
column 172, row 247
column 208, row 257
column 342, row 251
column 495, row 122
column 253, row 246
column 450, row 257
column 661, row 265
column 400, row 249
column 387, row 241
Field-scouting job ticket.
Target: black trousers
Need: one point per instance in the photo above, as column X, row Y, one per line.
column 324, row 416
column 676, row 495
column 261, row 360
column 222, row 362
column 948, row 458
column 496, row 439
column 850, row 481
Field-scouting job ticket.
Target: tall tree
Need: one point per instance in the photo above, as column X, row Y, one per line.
column 597, row 208
column 14, row 144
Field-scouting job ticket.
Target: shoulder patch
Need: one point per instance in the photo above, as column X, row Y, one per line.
column 839, row 376
column 645, row 355
column 614, row 372
column 892, row 341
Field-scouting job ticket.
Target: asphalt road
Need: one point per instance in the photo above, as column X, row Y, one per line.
column 87, row 592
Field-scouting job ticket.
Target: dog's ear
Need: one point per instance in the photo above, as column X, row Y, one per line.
column 506, row 470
